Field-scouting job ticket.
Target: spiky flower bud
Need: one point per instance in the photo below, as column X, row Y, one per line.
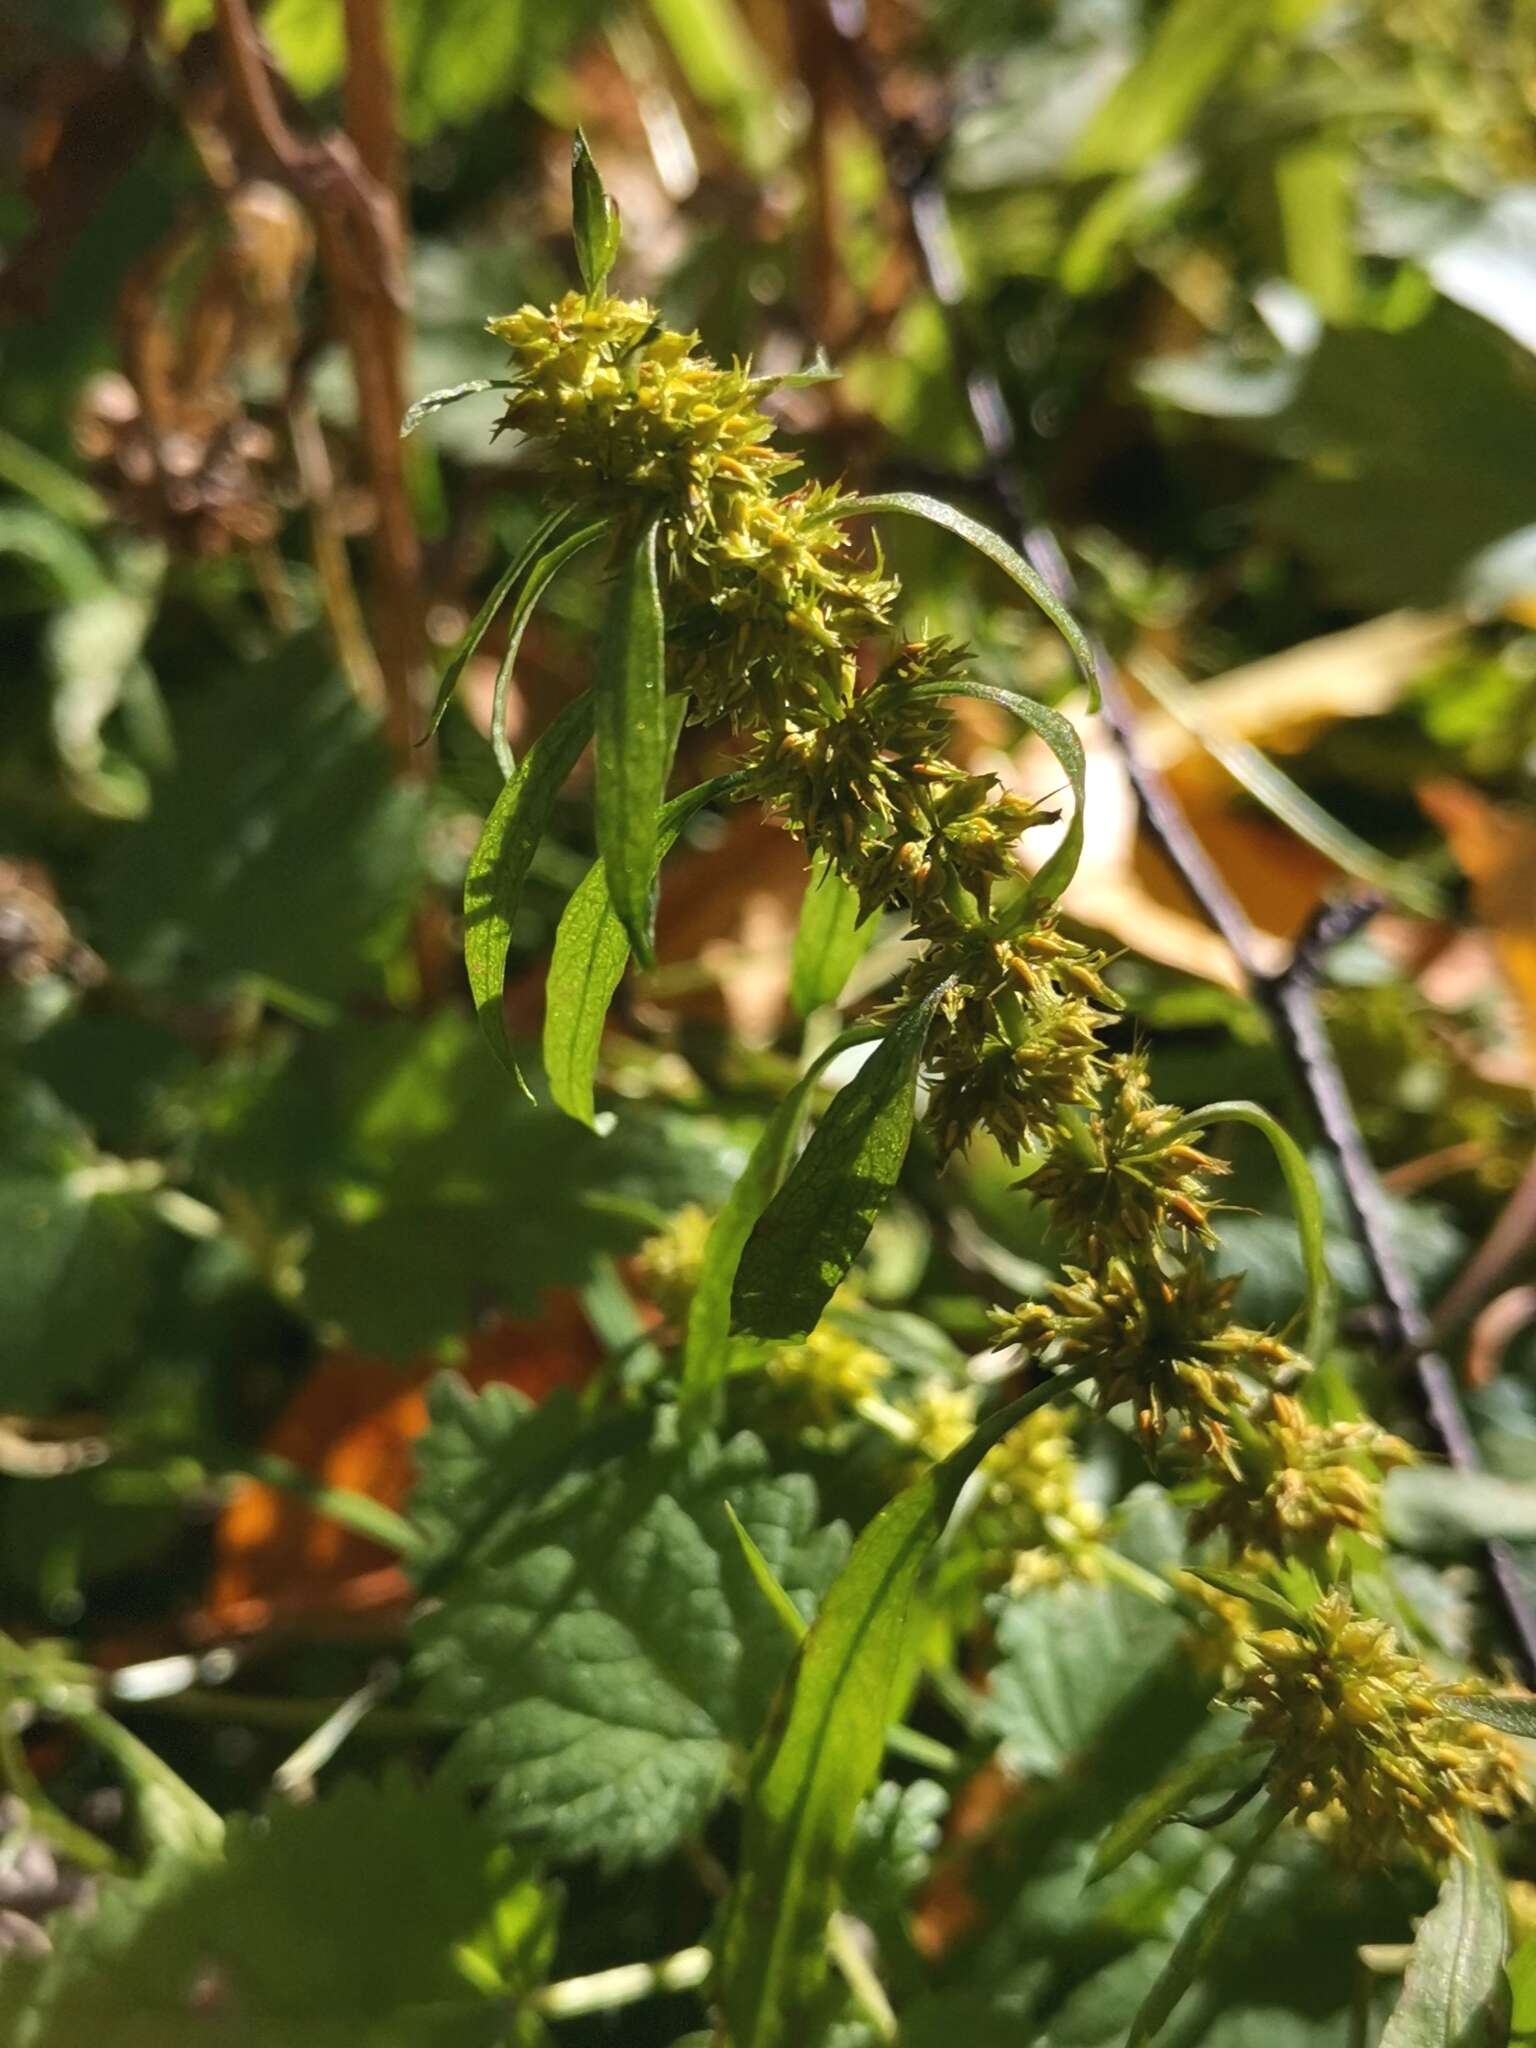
column 1290, row 1485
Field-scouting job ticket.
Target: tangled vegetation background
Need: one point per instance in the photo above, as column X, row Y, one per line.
column 404, row 1566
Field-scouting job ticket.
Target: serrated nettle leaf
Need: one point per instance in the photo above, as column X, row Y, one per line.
column 633, row 751
column 498, row 867
column 1060, row 735
column 608, row 1647
column 594, row 218
column 707, row 1343
column 821, row 1749
column 830, row 941
column 434, row 401
column 540, row 573
column 591, row 953
column 1514, row 1712
column 997, row 551
column 1202, row 1933
column 543, row 534
column 1209, row 1770
column 816, row 1225
column 1306, row 1205
column 1455, row 1993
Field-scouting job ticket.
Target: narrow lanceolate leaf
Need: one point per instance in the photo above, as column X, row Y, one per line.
column 709, row 1315
column 1455, row 1994
column 997, row 550
column 1212, row 1768
column 1060, row 735
column 541, row 572
column 594, row 218
column 513, row 574
column 1202, row 1934
column 1306, row 1203
column 632, row 745
column 450, row 395
column 499, row 866
column 591, row 953
column 1514, row 1712
column 830, row 941
column 816, row 1224
column 821, row 1751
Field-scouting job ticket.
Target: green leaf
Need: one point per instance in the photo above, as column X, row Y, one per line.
column 1514, row 1712
column 540, row 574
column 1282, row 798
column 1433, row 1509
column 1522, row 1984
column 817, row 371
column 830, row 941
column 450, row 395
column 1193, row 46
column 499, row 866
column 590, row 956
column 1243, row 1586
column 1306, row 1203
column 1202, row 1933
column 1141, row 1820
column 537, row 541
column 1060, row 735
column 608, row 1647
column 1455, row 1993
column 815, row 1226
column 709, row 1314
column 633, row 746
column 996, row 550
column 791, row 1620
column 328, row 1925
column 594, row 218
column 821, row 1750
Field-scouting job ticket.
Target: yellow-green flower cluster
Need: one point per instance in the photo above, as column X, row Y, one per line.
column 1288, row 1485
column 1365, row 1750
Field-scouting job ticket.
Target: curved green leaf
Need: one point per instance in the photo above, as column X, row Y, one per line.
column 821, row 1750
column 540, row 574
column 499, row 865
column 1305, row 1201
column 830, row 941
column 816, row 1224
column 633, row 745
column 996, row 550
column 591, row 953
column 594, row 218
column 450, row 395
column 1455, row 1993
column 1202, row 1933
column 709, row 1315
column 1060, row 735
column 540, row 538
column 1166, row 1801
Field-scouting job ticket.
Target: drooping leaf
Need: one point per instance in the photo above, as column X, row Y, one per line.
column 499, row 866
column 815, row 1226
column 434, row 401
column 537, row 541
column 633, row 750
column 594, row 218
column 1202, row 1935
column 709, row 1313
column 1455, row 1993
column 821, row 1750
column 1306, row 1206
column 607, row 1646
column 540, row 573
column 830, row 940
column 1224, row 1767
column 1060, row 735
column 996, row 550
column 591, row 952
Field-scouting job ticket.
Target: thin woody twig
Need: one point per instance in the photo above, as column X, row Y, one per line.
column 1289, row 997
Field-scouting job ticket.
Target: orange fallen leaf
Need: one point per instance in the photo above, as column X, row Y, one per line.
column 1495, row 845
